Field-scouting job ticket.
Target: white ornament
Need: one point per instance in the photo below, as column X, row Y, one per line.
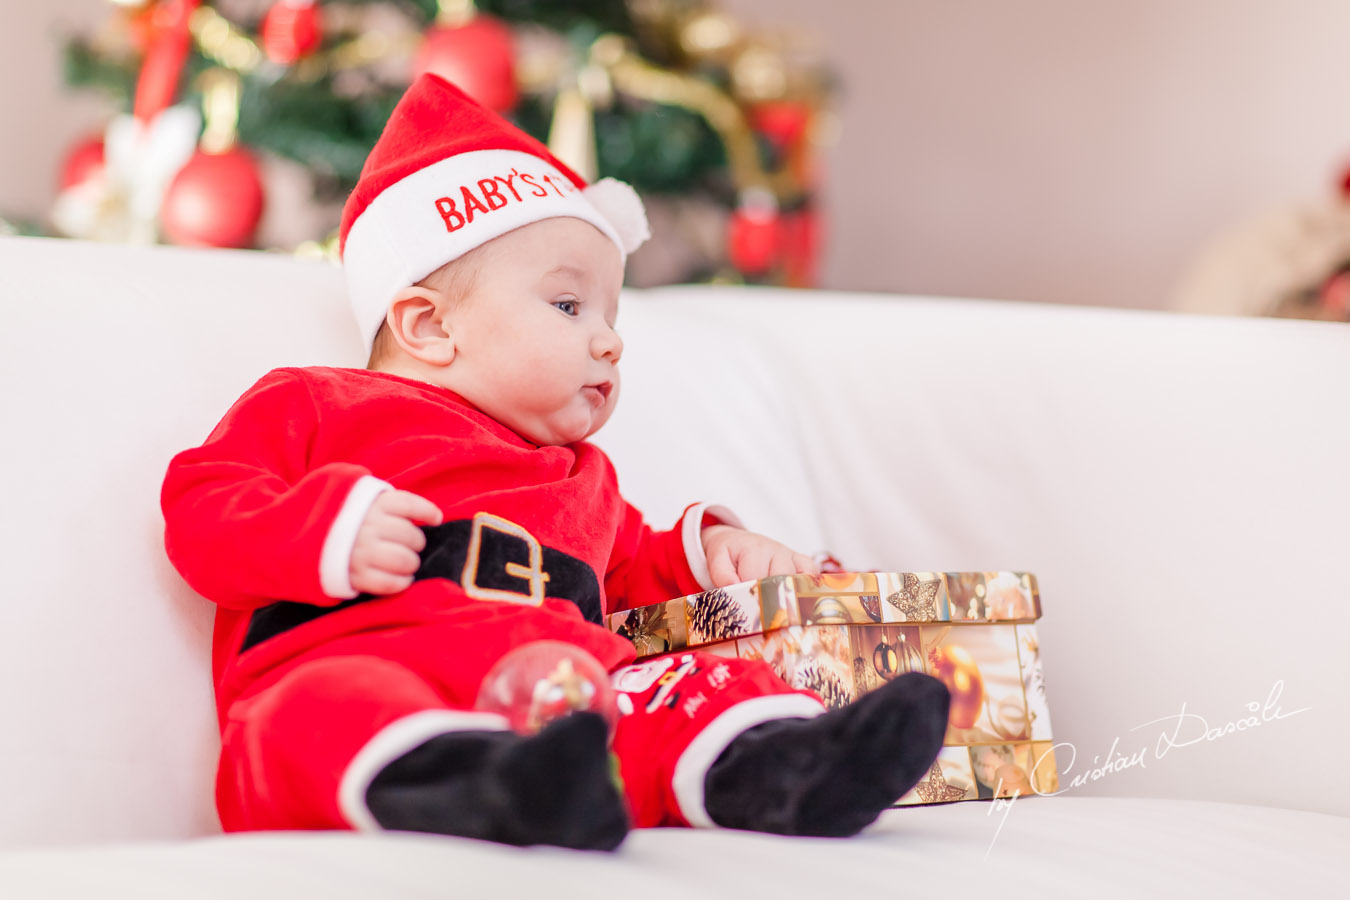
column 122, row 202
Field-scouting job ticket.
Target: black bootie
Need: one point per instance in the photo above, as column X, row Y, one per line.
column 554, row 787
column 830, row 776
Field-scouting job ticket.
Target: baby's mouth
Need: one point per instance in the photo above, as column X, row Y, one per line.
column 601, row 390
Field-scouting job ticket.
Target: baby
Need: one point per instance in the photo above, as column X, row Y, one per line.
column 377, row 539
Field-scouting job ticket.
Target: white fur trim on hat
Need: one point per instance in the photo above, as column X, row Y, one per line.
column 442, row 211
column 622, row 208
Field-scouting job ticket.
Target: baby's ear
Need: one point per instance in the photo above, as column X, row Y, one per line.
column 417, row 321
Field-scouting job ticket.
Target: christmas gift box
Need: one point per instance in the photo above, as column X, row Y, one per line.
column 842, row 634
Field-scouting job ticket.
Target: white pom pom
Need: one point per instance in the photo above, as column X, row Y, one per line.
column 622, row 208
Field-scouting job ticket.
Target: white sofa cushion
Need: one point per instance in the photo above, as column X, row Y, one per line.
column 1074, row 847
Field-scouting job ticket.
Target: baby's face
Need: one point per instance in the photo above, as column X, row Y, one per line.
column 535, row 346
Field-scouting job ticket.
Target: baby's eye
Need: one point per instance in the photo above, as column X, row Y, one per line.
column 567, row 307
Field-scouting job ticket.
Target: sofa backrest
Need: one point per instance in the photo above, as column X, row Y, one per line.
column 1178, row 483
column 114, row 359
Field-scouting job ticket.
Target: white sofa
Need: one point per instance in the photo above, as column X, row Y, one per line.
column 1179, row 484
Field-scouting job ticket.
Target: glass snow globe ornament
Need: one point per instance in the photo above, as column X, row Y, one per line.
column 545, row 680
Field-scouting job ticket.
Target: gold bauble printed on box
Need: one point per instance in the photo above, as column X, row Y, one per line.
column 841, row 634
column 953, row 666
column 885, row 661
column 829, row 611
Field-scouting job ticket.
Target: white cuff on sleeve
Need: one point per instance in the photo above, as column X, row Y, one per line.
column 336, row 559
column 691, row 534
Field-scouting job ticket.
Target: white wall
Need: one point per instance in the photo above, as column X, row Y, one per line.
column 39, row 119
column 1074, row 151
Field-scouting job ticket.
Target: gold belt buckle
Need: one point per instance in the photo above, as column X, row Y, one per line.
column 533, row 573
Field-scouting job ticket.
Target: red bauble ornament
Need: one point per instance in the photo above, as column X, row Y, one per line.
column 801, row 248
column 1334, row 297
column 753, row 235
column 216, row 200
column 783, row 122
column 479, row 57
column 83, row 161
column 291, row 30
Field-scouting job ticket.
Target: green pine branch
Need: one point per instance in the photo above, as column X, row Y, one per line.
column 83, row 67
column 657, row 149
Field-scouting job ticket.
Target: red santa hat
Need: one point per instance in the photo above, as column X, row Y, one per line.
column 448, row 175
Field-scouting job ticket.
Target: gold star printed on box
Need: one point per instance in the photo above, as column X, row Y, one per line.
column 917, row 599
column 935, row 788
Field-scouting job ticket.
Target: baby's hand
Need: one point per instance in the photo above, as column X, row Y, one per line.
column 385, row 555
column 735, row 554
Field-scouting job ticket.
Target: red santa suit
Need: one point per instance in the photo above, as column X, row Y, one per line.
column 318, row 688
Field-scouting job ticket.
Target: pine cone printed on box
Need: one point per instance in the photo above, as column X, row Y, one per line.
column 824, row 684
column 714, row 616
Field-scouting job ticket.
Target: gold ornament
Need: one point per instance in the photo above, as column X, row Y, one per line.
column 837, row 581
column 829, row 611
column 571, row 136
column 953, row 666
column 220, row 109
column 885, row 661
column 759, row 73
column 910, row 657
column 709, row 34
column 223, row 43
column 455, row 13
column 561, row 691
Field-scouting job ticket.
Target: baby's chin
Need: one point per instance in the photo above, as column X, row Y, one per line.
column 568, row 429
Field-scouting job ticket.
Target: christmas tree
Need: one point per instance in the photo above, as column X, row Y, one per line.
column 716, row 127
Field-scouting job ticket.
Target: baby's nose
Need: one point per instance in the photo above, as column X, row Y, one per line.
column 607, row 345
